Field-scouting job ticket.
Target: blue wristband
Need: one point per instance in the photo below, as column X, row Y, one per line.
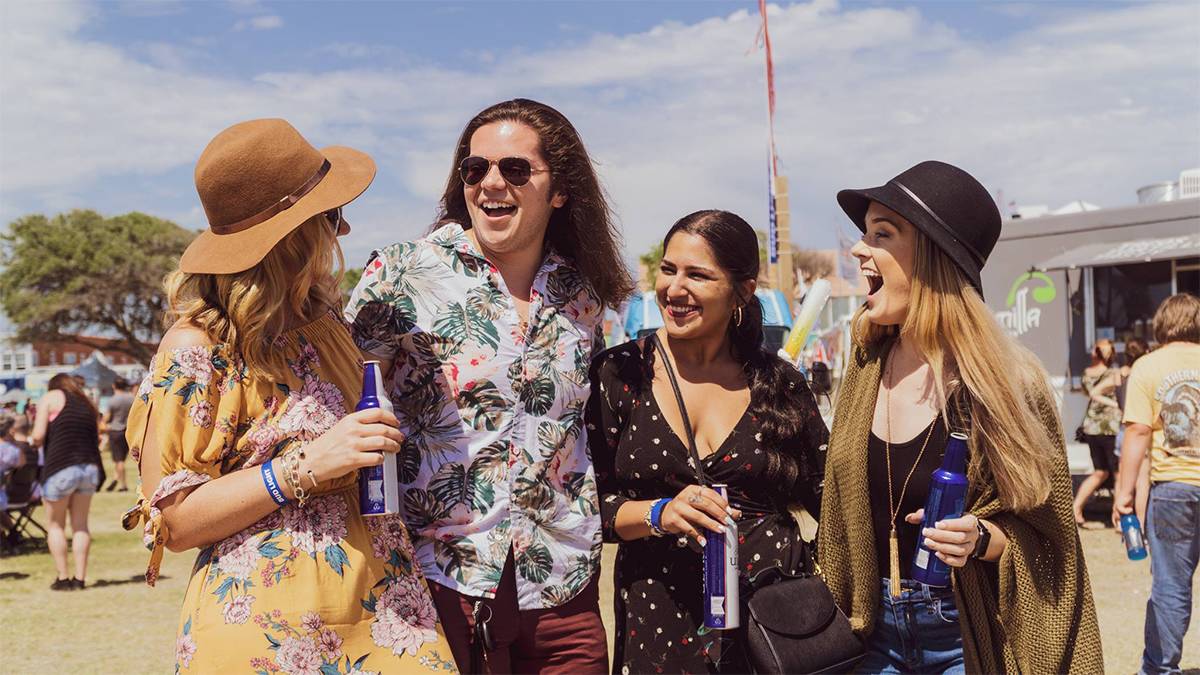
column 272, row 483
column 656, row 513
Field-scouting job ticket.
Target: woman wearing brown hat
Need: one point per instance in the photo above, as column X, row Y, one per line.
column 243, row 439
column 929, row 358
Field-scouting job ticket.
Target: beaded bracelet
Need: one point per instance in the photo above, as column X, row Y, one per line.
column 272, row 483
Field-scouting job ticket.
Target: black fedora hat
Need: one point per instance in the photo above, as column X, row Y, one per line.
column 946, row 203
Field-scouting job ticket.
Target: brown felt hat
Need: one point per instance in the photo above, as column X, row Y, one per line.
column 258, row 181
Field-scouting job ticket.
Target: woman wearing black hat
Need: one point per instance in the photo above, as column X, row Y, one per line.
column 929, row 358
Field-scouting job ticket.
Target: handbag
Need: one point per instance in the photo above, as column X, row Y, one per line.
column 791, row 622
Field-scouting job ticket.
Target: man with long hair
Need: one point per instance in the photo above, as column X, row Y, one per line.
column 1162, row 416
column 486, row 328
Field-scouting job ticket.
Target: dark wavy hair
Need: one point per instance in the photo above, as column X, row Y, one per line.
column 775, row 396
column 69, row 385
column 583, row 228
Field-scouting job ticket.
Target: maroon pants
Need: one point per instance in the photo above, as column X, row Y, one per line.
column 568, row 639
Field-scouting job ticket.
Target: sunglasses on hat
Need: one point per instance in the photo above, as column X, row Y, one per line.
column 515, row 170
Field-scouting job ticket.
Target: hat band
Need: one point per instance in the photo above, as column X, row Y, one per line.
column 979, row 259
column 276, row 208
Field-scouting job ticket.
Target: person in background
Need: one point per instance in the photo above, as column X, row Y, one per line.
column 116, row 414
column 1100, row 421
column 1162, row 417
column 67, row 429
column 1135, row 349
column 12, row 456
column 929, row 359
column 757, row 430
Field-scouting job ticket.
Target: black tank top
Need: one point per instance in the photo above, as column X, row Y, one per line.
column 903, row 456
column 71, row 437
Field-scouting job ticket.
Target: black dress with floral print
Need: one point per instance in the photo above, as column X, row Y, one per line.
column 637, row 456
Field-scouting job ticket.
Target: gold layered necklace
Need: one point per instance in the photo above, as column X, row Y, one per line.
column 894, row 505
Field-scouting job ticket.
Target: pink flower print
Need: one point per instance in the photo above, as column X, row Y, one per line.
column 330, row 644
column 195, row 363
column 313, row 410
column 317, row 526
column 405, row 617
column 238, row 555
column 237, row 610
column 202, row 414
column 185, row 649
column 260, row 441
column 311, row 622
column 259, row 663
column 305, row 361
column 299, row 656
column 388, row 534
column 145, row 387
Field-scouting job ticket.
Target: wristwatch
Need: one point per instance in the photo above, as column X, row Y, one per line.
column 985, row 538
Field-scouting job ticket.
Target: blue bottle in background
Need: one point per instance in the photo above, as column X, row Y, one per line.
column 947, row 499
column 1131, row 532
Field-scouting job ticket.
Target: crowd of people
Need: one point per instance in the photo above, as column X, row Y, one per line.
column 524, row 444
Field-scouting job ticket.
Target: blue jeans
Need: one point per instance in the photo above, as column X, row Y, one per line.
column 1173, row 531
column 915, row 633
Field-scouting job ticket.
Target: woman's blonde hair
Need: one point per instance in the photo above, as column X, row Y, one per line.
column 965, row 346
column 248, row 310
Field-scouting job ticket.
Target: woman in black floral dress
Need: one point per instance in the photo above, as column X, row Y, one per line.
column 757, row 429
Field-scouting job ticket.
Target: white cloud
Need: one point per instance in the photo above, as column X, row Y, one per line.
column 264, row 22
column 1085, row 105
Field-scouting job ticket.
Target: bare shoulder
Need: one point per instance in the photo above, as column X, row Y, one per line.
column 183, row 335
column 53, row 399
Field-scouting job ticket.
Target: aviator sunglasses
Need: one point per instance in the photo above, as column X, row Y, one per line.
column 337, row 221
column 515, row 170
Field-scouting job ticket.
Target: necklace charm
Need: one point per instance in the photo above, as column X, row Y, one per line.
column 894, row 551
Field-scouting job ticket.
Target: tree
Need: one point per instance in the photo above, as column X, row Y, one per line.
column 811, row 264
column 81, row 272
column 350, row 278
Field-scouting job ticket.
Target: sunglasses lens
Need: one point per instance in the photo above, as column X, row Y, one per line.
column 473, row 169
column 515, row 170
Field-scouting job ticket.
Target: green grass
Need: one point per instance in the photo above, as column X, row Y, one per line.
column 119, row 625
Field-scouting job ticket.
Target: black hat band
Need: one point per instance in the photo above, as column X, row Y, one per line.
column 979, row 258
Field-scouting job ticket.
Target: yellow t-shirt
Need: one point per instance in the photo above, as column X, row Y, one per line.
column 1164, row 394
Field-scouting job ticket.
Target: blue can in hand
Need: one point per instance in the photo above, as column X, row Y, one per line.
column 947, row 499
column 1131, row 532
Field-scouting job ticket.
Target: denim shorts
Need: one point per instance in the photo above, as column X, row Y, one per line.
column 75, row 479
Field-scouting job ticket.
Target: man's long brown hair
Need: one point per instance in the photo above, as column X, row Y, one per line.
column 582, row 229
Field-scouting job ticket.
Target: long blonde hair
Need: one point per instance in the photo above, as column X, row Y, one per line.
column 248, row 310
column 965, row 346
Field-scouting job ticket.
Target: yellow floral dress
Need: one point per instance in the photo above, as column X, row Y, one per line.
column 316, row 590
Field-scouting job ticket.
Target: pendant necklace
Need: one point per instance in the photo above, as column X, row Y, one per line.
column 894, row 505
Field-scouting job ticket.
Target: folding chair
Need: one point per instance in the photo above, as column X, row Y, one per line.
column 22, row 501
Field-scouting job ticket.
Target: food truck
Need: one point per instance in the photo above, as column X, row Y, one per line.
column 1059, row 283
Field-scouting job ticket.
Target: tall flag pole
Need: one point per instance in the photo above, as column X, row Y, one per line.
column 772, row 165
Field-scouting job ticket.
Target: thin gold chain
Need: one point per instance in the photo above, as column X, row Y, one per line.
column 894, row 506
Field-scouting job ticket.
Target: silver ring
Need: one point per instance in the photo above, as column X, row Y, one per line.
column 695, row 498
column 682, row 541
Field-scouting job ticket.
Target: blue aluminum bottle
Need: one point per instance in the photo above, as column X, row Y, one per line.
column 722, row 608
column 947, row 499
column 378, row 486
column 1131, row 532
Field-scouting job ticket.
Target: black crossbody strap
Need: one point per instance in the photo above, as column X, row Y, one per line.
column 701, row 479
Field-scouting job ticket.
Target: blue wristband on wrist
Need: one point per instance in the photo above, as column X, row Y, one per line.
column 272, row 483
column 656, row 513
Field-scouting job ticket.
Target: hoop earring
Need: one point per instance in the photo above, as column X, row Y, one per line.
column 737, row 317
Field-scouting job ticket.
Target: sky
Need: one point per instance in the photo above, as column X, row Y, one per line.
column 107, row 105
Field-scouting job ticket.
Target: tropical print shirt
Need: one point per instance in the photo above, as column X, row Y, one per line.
column 495, row 456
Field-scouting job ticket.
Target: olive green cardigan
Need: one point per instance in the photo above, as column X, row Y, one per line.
column 1030, row 612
